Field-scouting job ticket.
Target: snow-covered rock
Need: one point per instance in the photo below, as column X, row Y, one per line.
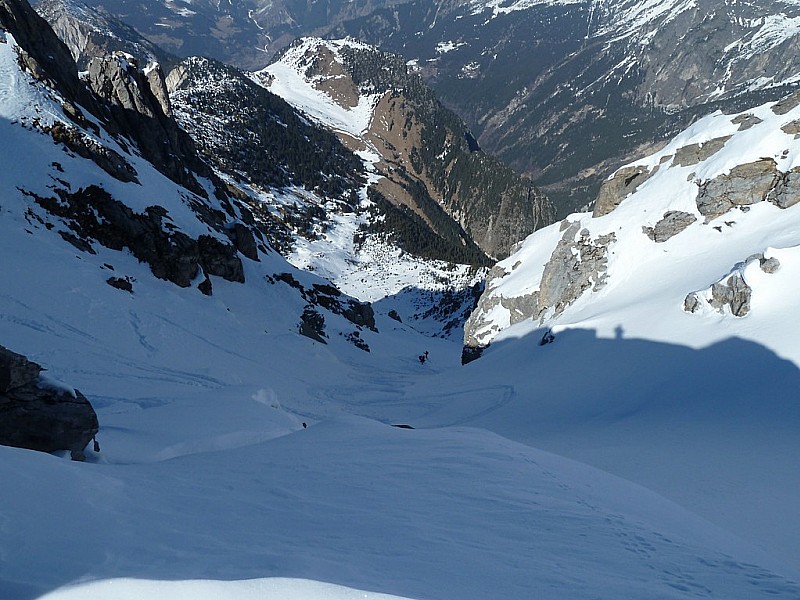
column 672, row 227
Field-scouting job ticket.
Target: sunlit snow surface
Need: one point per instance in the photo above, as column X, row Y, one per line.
column 292, row 85
column 209, row 484
column 276, row 588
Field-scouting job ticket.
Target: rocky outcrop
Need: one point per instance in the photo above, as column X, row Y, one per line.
column 792, row 128
column 746, row 121
column 620, row 186
column 109, row 160
column 577, row 264
column 787, row 104
column 695, row 153
column 158, row 86
column 673, row 222
column 744, row 185
column 95, row 216
column 731, row 293
column 786, row 191
column 312, row 325
column 322, row 295
column 131, row 105
column 41, row 415
column 734, row 294
column 140, row 110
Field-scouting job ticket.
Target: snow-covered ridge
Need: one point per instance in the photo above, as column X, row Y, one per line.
column 686, row 218
column 504, row 7
column 625, row 18
column 290, row 79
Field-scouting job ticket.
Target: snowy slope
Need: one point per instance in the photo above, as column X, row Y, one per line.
column 706, row 396
column 302, row 91
column 209, row 485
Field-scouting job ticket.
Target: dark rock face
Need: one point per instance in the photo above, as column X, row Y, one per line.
column 219, row 258
column 312, row 324
column 39, row 416
column 140, row 109
column 245, row 241
column 44, row 55
column 330, row 298
column 105, row 158
column 93, row 214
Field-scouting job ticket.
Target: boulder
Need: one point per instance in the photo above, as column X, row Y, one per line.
column 733, row 293
column 16, row 370
column 38, row 414
column 746, row 121
column 695, row 153
column 673, row 222
column 746, row 184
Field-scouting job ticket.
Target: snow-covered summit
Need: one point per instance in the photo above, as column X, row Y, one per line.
column 303, row 74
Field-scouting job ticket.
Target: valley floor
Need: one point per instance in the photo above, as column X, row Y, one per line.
column 537, row 471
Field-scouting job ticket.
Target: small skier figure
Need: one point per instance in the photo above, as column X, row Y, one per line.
column 423, row 358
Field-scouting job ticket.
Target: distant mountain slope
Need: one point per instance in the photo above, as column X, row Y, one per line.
column 91, row 32
column 245, row 130
column 565, row 91
column 426, row 158
column 562, row 91
column 301, row 188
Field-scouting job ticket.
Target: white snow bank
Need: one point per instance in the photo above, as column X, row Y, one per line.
column 276, row 588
